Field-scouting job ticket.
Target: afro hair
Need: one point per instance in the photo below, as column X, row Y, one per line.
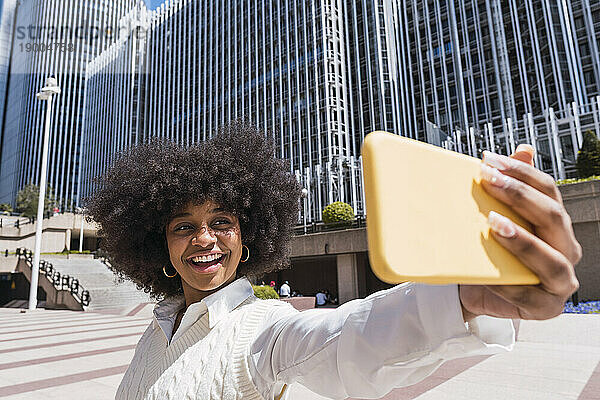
column 149, row 183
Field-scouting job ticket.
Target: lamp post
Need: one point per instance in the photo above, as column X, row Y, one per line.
column 80, row 211
column 46, row 94
column 304, row 197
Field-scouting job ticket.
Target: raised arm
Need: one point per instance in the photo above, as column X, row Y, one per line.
column 367, row 347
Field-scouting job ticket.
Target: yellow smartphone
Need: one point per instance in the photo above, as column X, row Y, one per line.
column 427, row 217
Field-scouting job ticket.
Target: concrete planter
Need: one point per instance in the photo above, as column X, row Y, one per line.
column 300, row 303
column 582, row 201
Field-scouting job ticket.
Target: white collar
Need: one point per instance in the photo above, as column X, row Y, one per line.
column 218, row 305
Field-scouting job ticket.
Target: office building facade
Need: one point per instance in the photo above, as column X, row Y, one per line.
column 501, row 68
column 195, row 65
column 318, row 76
column 8, row 10
column 51, row 38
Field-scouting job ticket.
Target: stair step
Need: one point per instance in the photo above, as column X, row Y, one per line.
column 100, row 281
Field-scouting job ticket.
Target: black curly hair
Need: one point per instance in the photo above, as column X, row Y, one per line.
column 149, row 183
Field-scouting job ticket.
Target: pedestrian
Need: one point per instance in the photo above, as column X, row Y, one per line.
column 193, row 223
column 321, row 298
column 284, row 290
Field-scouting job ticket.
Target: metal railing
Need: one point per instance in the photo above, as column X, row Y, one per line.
column 316, row 227
column 60, row 282
column 20, row 221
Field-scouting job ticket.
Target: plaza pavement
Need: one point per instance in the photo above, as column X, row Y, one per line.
column 50, row 354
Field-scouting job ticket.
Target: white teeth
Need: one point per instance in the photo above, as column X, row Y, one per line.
column 206, row 258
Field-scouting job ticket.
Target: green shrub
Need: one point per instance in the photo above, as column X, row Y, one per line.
column 265, row 292
column 6, row 207
column 338, row 212
column 588, row 157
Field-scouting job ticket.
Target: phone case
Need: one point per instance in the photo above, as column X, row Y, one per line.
column 427, row 217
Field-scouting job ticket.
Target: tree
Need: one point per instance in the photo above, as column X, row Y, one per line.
column 5, row 207
column 588, row 157
column 27, row 200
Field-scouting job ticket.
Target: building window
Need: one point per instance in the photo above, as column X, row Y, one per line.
column 584, row 49
column 588, row 76
column 480, row 108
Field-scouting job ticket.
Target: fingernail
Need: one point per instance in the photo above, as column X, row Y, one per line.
column 526, row 147
column 502, row 225
column 493, row 176
column 496, row 160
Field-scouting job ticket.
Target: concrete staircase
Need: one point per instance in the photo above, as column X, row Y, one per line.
column 106, row 294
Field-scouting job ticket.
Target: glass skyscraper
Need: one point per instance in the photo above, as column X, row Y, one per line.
column 318, row 76
column 191, row 66
column 472, row 62
column 7, row 25
column 56, row 37
column 482, row 72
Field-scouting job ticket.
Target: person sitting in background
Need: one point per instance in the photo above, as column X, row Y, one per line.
column 321, row 298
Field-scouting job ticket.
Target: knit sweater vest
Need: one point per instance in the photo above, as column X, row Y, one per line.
column 203, row 363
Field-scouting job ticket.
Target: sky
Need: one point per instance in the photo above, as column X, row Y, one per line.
column 152, row 4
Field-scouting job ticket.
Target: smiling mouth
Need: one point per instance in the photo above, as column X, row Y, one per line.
column 206, row 263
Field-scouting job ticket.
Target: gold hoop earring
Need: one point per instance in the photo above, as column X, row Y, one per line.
column 247, row 256
column 167, row 275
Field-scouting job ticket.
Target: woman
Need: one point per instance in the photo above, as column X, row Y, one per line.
column 191, row 224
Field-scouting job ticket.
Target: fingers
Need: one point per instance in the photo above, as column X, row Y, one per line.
column 555, row 271
column 532, row 204
column 524, row 153
column 551, row 221
column 524, row 172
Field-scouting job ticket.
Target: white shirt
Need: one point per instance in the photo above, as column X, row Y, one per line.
column 321, row 298
column 364, row 348
column 284, row 290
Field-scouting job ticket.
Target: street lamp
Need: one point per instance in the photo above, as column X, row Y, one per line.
column 304, row 196
column 46, row 94
column 80, row 211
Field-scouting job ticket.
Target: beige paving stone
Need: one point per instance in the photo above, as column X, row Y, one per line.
column 24, row 322
column 68, row 349
column 105, row 328
column 112, row 380
column 76, row 335
column 88, row 390
column 27, row 396
column 552, row 360
column 566, row 329
column 460, row 390
column 65, row 367
column 530, row 371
